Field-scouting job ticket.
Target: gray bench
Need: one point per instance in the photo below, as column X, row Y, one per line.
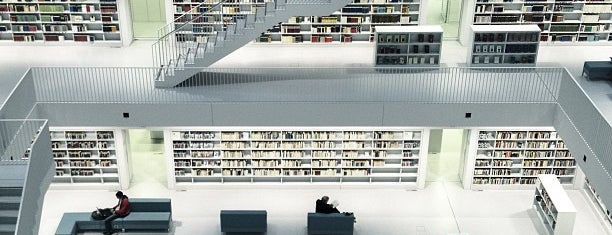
column 335, row 223
column 597, row 70
column 244, row 221
column 147, row 214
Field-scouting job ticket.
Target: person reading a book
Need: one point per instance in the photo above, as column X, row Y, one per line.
column 323, row 207
column 121, row 210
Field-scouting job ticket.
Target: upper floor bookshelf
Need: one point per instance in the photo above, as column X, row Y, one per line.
column 408, row 45
column 290, row 156
column 501, row 45
column 200, row 19
column 559, row 20
column 517, row 157
column 50, row 21
column 356, row 22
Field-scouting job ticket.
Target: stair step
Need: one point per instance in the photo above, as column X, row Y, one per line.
column 7, row 229
column 9, row 203
column 8, row 216
column 10, row 191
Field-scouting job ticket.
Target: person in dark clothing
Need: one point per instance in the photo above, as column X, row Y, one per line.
column 122, row 209
column 323, row 207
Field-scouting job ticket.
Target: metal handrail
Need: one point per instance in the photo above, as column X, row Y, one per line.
column 16, row 136
column 156, row 51
column 185, row 23
column 53, row 87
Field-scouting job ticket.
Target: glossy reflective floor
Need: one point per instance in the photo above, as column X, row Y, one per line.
column 443, row 207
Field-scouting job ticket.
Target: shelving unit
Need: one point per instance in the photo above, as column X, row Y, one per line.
column 553, row 206
column 86, row 158
column 503, row 45
column 297, row 155
column 514, row 158
column 408, row 45
column 598, row 203
column 560, row 21
column 91, row 21
column 218, row 17
column 356, row 22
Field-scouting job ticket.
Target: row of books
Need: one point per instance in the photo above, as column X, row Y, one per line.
column 404, row 60
column 504, row 181
column 495, row 59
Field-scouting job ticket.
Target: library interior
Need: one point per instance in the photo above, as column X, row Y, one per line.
column 426, row 117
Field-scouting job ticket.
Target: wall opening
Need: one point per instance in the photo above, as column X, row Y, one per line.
column 446, row 155
column 146, row 159
column 446, row 13
column 147, row 17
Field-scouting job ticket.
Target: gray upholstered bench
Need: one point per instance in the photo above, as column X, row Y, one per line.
column 72, row 223
column 147, row 214
column 335, row 223
column 597, row 70
column 244, row 221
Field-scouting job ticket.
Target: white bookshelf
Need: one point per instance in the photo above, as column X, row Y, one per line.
column 356, row 22
column 600, row 207
column 503, row 45
column 297, row 155
column 87, row 157
column 408, row 45
column 560, row 21
column 513, row 158
column 198, row 25
column 60, row 22
column 553, row 206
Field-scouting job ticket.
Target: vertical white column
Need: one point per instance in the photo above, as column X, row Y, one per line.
column 125, row 22
column 169, row 11
column 466, row 21
column 470, row 159
column 122, row 162
column 423, row 153
column 169, row 153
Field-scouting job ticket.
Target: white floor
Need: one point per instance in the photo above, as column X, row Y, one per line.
column 443, row 207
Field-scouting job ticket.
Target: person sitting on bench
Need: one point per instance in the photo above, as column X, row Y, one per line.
column 323, row 207
column 122, row 209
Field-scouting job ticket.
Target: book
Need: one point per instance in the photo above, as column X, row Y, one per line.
column 81, row 38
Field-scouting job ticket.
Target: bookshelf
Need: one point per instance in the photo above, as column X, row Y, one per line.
column 408, row 45
column 86, row 157
column 297, row 155
column 598, row 203
column 218, row 17
column 560, row 21
column 513, row 158
column 82, row 22
column 553, row 206
column 503, row 45
column 356, row 22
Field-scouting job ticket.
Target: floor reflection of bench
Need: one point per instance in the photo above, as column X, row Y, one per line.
column 597, row 70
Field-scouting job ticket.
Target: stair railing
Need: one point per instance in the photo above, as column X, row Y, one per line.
column 188, row 37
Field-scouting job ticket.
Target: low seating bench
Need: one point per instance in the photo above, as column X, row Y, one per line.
column 147, row 214
column 597, row 70
column 244, row 221
column 335, row 223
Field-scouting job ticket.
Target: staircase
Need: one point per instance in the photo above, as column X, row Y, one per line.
column 26, row 171
column 10, row 200
column 184, row 48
